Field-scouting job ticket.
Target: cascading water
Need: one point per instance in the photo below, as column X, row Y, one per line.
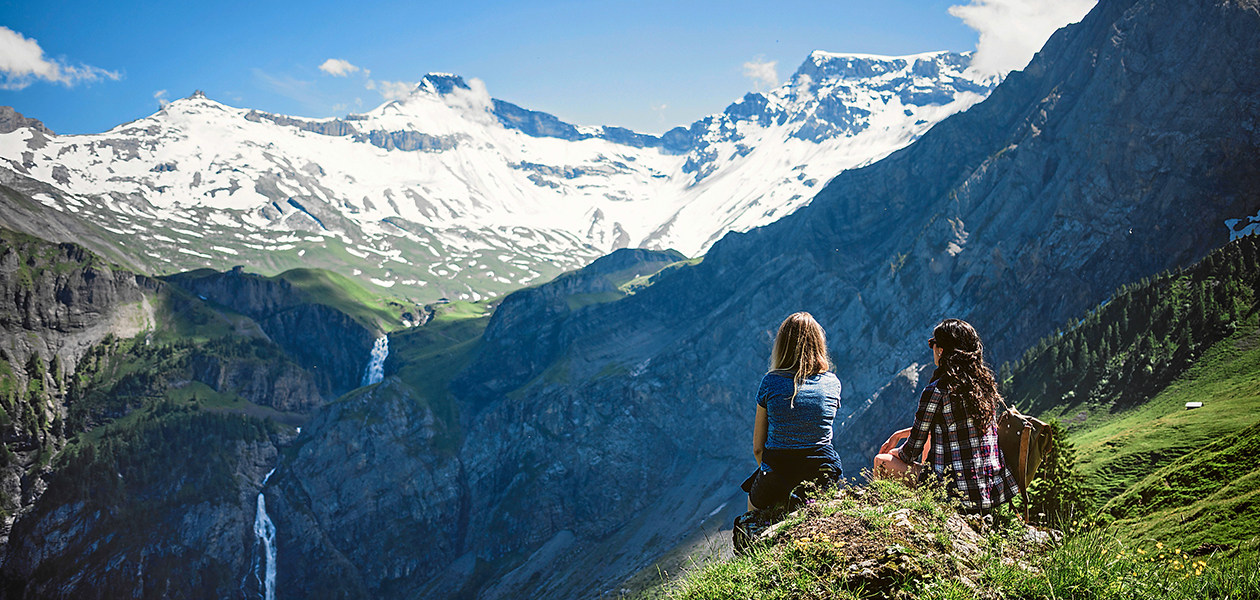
column 266, row 532
column 376, row 364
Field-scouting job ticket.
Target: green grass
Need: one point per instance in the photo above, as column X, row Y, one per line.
column 635, row 284
column 1124, row 449
column 8, row 380
column 1207, row 498
column 46, row 256
column 182, row 316
column 858, row 546
column 460, row 310
column 346, row 295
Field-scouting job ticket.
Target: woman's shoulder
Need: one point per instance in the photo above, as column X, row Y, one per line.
column 936, row 386
column 826, row 379
column 777, row 377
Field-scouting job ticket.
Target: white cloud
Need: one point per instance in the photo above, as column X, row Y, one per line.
column 338, row 68
column 1012, row 31
column 160, row 96
column 22, row 61
column 762, row 72
column 475, row 99
column 392, row 90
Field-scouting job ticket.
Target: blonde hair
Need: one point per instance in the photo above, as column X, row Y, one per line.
column 800, row 347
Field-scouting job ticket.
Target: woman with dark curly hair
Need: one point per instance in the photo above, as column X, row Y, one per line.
column 958, row 410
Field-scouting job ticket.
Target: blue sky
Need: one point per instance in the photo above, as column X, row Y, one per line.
column 83, row 67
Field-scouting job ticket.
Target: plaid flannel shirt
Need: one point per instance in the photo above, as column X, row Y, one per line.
column 966, row 455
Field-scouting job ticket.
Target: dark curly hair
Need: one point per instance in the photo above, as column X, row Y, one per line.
column 963, row 371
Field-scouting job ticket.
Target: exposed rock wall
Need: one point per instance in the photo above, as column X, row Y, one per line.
column 148, row 546
column 58, row 301
column 328, row 343
column 281, row 385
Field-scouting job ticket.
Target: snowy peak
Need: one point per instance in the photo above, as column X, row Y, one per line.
column 450, row 192
column 833, row 65
column 442, row 83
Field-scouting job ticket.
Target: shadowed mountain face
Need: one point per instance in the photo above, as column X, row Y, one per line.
column 1120, row 151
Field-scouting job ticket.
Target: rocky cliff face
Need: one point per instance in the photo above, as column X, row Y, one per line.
column 67, row 297
column 183, row 530
column 12, row 120
column 1120, row 151
column 328, row 343
column 543, row 310
column 56, row 301
column 162, row 501
column 279, row 384
column 380, row 523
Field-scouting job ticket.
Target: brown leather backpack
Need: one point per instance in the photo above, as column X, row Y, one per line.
column 1025, row 441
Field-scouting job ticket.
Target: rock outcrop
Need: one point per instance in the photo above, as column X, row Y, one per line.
column 69, row 298
column 327, row 342
column 12, row 120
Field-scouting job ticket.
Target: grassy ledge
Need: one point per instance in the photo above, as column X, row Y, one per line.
column 887, row 541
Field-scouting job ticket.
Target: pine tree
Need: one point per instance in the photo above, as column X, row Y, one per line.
column 1058, row 495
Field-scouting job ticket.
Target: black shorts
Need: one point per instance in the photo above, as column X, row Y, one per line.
column 767, row 487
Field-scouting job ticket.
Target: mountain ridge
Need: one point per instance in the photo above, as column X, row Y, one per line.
column 410, row 192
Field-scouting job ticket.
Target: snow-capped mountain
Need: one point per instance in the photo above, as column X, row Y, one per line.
column 451, row 192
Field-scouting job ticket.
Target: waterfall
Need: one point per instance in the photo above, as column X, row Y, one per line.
column 376, row 364
column 266, row 532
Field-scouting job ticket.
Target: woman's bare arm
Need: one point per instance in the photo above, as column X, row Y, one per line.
column 761, row 429
column 893, row 439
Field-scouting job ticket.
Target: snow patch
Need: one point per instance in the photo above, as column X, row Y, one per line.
column 193, row 253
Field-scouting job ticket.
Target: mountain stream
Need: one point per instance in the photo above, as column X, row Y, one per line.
column 376, row 364
column 266, row 532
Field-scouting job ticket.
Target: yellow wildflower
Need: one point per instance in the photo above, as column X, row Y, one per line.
column 1159, row 545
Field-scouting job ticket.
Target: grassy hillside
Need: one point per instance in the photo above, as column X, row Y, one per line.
column 334, row 290
column 885, row 541
column 1131, row 347
column 1120, row 380
column 374, row 311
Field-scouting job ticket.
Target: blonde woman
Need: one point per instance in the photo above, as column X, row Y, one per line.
column 796, row 404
